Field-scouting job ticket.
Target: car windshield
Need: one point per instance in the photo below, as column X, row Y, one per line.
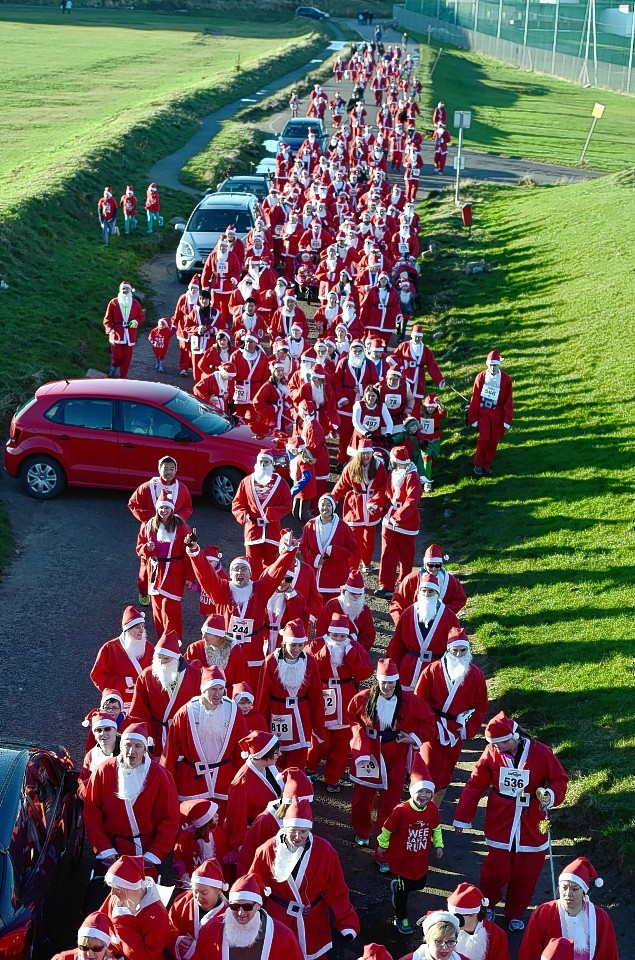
column 258, row 188
column 300, row 128
column 198, row 414
column 217, row 219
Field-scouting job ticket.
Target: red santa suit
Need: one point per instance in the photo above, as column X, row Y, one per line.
column 305, row 584
column 440, row 114
column 291, row 233
column 413, row 165
column 230, row 658
column 187, row 920
column 184, row 305
column 491, row 409
column 317, row 888
column 115, row 669
column 154, row 705
column 293, row 719
column 397, row 141
column 416, row 360
column 415, row 643
column 400, row 524
column 592, row 924
column 277, row 943
column 141, row 935
column 331, row 550
column 350, row 383
column 283, row 319
column 121, row 323
column 369, row 423
column 144, row 826
column 309, row 432
column 168, row 566
column 357, row 497
column 404, row 243
column 202, row 759
column 322, row 395
column 450, row 591
column 441, row 139
column 516, row 845
column 218, row 272
column 215, row 390
column 283, row 606
column 250, row 376
column 259, row 508
column 249, row 793
column 265, row 826
column 381, row 313
column 460, row 708
column 362, row 624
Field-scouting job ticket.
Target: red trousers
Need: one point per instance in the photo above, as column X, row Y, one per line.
column 365, row 539
column 221, row 302
column 411, row 189
column 490, row 434
column 121, row 357
column 167, row 615
column 292, row 758
column 364, row 800
column 345, row 433
column 439, row 160
column 396, row 158
column 260, row 555
column 519, row 871
column 441, row 762
column 336, row 749
column 396, row 548
column 185, row 360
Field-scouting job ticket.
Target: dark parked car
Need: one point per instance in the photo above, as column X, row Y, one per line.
column 313, row 13
column 41, row 841
column 254, row 183
column 296, row 130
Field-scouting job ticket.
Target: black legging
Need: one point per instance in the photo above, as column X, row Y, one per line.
column 403, row 889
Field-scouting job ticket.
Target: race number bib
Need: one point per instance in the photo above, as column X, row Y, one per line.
column 367, row 768
column 278, row 229
column 427, row 425
column 371, row 423
column 392, row 401
column 511, row 783
column 241, row 628
column 222, row 268
column 490, row 392
column 242, row 393
column 282, row 726
column 403, row 248
column 330, row 702
column 415, row 172
column 316, row 244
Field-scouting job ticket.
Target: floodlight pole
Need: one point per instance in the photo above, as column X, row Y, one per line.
column 555, row 37
column 500, row 20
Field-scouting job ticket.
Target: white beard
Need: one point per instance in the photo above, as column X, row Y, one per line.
column 125, row 301
column 165, row 673
column 356, row 362
column 191, row 299
column 130, row 781
column 427, row 608
column 291, row 675
column 457, row 667
column 206, row 848
column 416, row 349
column 242, row 594
column 284, row 861
column 134, row 648
column 218, row 656
column 263, row 475
column 577, row 929
column 352, row 605
column 331, row 312
column 275, row 607
column 241, row 936
column 97, row 757
column 493, row 379
column 397, row 477
column 473, row 946
column 337, row 652
column 386, row 711
column 318, row 394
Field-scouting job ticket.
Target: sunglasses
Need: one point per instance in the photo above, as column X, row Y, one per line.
column 245, row 907
column 87, row 949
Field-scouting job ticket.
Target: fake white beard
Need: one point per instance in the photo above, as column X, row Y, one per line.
column 130, row 781
column 577, row 929
column 263, row 475
column 292, row 674
column 356, row 362
column 238, row 935
column 427, row 608
column 165, row 673
column 416, row 349
column 125, row 300
column 457, row 667
column 473, row 946
column 386, row 711
column 134, row 648
column 318, row 394
column 331, row 264
column 221, row 257
column 241, row 594
column 285, row 860
column 352, row 604
column 331, row 312
column 275, row 606
column 493, row 379
column 206, row 848
column 217, row 656
column 97, row 757
column 337, row 651
column 397, row 477
column 191, row 298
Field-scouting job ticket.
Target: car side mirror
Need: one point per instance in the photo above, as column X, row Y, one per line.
column 180, row 226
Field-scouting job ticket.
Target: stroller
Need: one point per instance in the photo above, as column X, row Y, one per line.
column 306, row 284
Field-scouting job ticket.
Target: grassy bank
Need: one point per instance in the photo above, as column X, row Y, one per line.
column 523, row 114
column 236, row 149
column 547, row 543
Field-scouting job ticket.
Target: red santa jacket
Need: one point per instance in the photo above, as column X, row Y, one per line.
column 513, row 813
column 143, row 502
column 411, row 646
column 272, row 408
column 326, row 405
column 411, row 832
column 278, row 942
column 362, row 627
column 142, row 935
column 168, row 564
column 305, row 584
column 460, row 708
column 441, row 139
column 119, row 330
column 235, row 669
column 403, row 246
column 452, row 593
column 339, row 684
column 319, row 886
column 249, row 376
column 358, row 495
column 213, row 389
column 249, row 793
column 332, row 558
column 146, row 827
column 265, row 826
column 186, row 920
column 312, row 434
column 548, row 922
column 114, row 669
column 190, row 851
column 261, row 518
column 402, row 515
column 381, row 312
column 416, row 367
column 152, row 704
column 492, row 400
column 350, row 383
column 218, row 274
column 399, row 401
column 292, row 719
column 196, row 775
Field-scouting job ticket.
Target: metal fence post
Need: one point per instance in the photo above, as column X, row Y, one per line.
column 500, row 19
column 555, row 37
column 630, row 54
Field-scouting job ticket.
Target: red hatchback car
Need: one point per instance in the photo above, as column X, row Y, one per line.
column 111, row 433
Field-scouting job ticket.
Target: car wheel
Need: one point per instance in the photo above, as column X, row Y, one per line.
column 222, row 486
column 182, row 277
column 42, row 477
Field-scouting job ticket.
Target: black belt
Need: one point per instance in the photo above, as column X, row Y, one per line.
column 331, row 682
column 384, row 736
column 209, row 766
column 293, row 908
column 446, row 716
column 285, row 699
column 167, row 559
column 130, row 837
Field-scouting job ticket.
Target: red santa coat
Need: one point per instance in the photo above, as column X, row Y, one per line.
column 261, row 518
column 398, row 400
column 362, row 627
column 350, row 384
column 189, row 852
column 142, row 935
column 143, row 502
column 213, row 389
column 114, row 669
column 357, row 496
column 118, row 328
column 513, row 812
column 404, row 246
column 411, row 838
column 249, row 378
column 305, row 584
column 249, row 793
column 380, row 314
column 339, row 685
column 217, row 275
column 147, row 826
column 547, row 922
column 281, row 322
column 272, row 408
column 292, row 719
column 168, row 564
column 236, row 669
column 281, row 608
column 402, row 515
column 498, row 404
column 186, row 920
column 265, row 826
column 278, row 943
column 415, row 367
column 311, row 433
column 152, row 704
column 333, row 557
column 326, row 409
column 452, row 593
column 195, row 775
column 441, row 139
column 411, row 647
column 318, row 886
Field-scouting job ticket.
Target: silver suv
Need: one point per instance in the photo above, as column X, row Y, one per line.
column 207, row 222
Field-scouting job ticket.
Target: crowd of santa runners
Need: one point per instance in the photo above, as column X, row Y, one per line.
column 204, row 754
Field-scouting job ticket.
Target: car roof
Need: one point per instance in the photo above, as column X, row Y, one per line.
column 116, row 389
column 14, row 756
column 302, row 122
column 235, row 201
column 246, row 179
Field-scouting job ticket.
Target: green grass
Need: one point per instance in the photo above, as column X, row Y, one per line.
column 519, row 113
column 235, row 150
column 546, row 546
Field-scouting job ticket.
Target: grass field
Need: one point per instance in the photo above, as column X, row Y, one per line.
column 518, row 113
column 547, row 544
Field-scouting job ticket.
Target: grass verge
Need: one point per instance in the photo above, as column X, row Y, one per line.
column 235, row 150
column 547, row 543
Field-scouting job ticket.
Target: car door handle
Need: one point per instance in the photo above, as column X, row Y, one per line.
column 128, row 446
column 61, row 436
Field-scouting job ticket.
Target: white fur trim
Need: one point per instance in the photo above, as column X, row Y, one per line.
column 421, row 785
column 574, row 878
column 96, row 933
column 241, row 895
column 127, row 735
column 298, row 822
column 112, row 880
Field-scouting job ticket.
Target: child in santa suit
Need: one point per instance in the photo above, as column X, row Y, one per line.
column 153, row 207
column 403, row 846
column 128, row 204
column 432, row 413
column 304, row 489
column 159, row 338
column 199, row 838
column 206, row 606
column 243, row 697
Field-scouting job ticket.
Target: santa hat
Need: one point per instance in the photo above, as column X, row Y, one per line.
column 243, row 561
column 169, row 645
column 307, row 408
column 318, row 371
column 299, row 815
column 418, row 328
column 242, row 691
column 375, row 343
column 457, row 637
column 294, row 632
column 98, row 720
column 229, row 370
column 365, row 444
column 127, row 872
column 327, row 496
column 249, row 888
column 400, row 454
column 250, row 336
column 212, row 677
column 355, row 582
column 494, row 357
column 340, row 623
column 195, row 281
column 558, row 948
column 109, row 694
column 167, row 459
column 165, row 499
column 296, row 784
column 214, row 625
column 108, row 188
column 229, row 227
column 429, row 582
column 387, row 670
column 257, row 744
column 98, row 926
column 280, row 344
column 196, row 813
column 466, row 899
column 435, row 554
column 265, row 454
column 213, row 552
column 309, row 356
column 500, row 728
column 420, row 776
column 131, row 617
column 136, row 731
column 394, row 367
column 375, row 951
column 222, row 333
column 438, row 916
column 582, row 872
column 430, row 400
column 152, row 186
column 210, row 874
column 276, row 364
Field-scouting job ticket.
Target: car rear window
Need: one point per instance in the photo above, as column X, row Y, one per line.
column 198, row 414
column 300, row 128
column 218, row 219
column 91, row 413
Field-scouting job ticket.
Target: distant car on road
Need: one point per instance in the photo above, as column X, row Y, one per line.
column 111, row 433
column 209, row 219
column 41, row 841
column 313, row 13
column 256, row 184
column 296, row 130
